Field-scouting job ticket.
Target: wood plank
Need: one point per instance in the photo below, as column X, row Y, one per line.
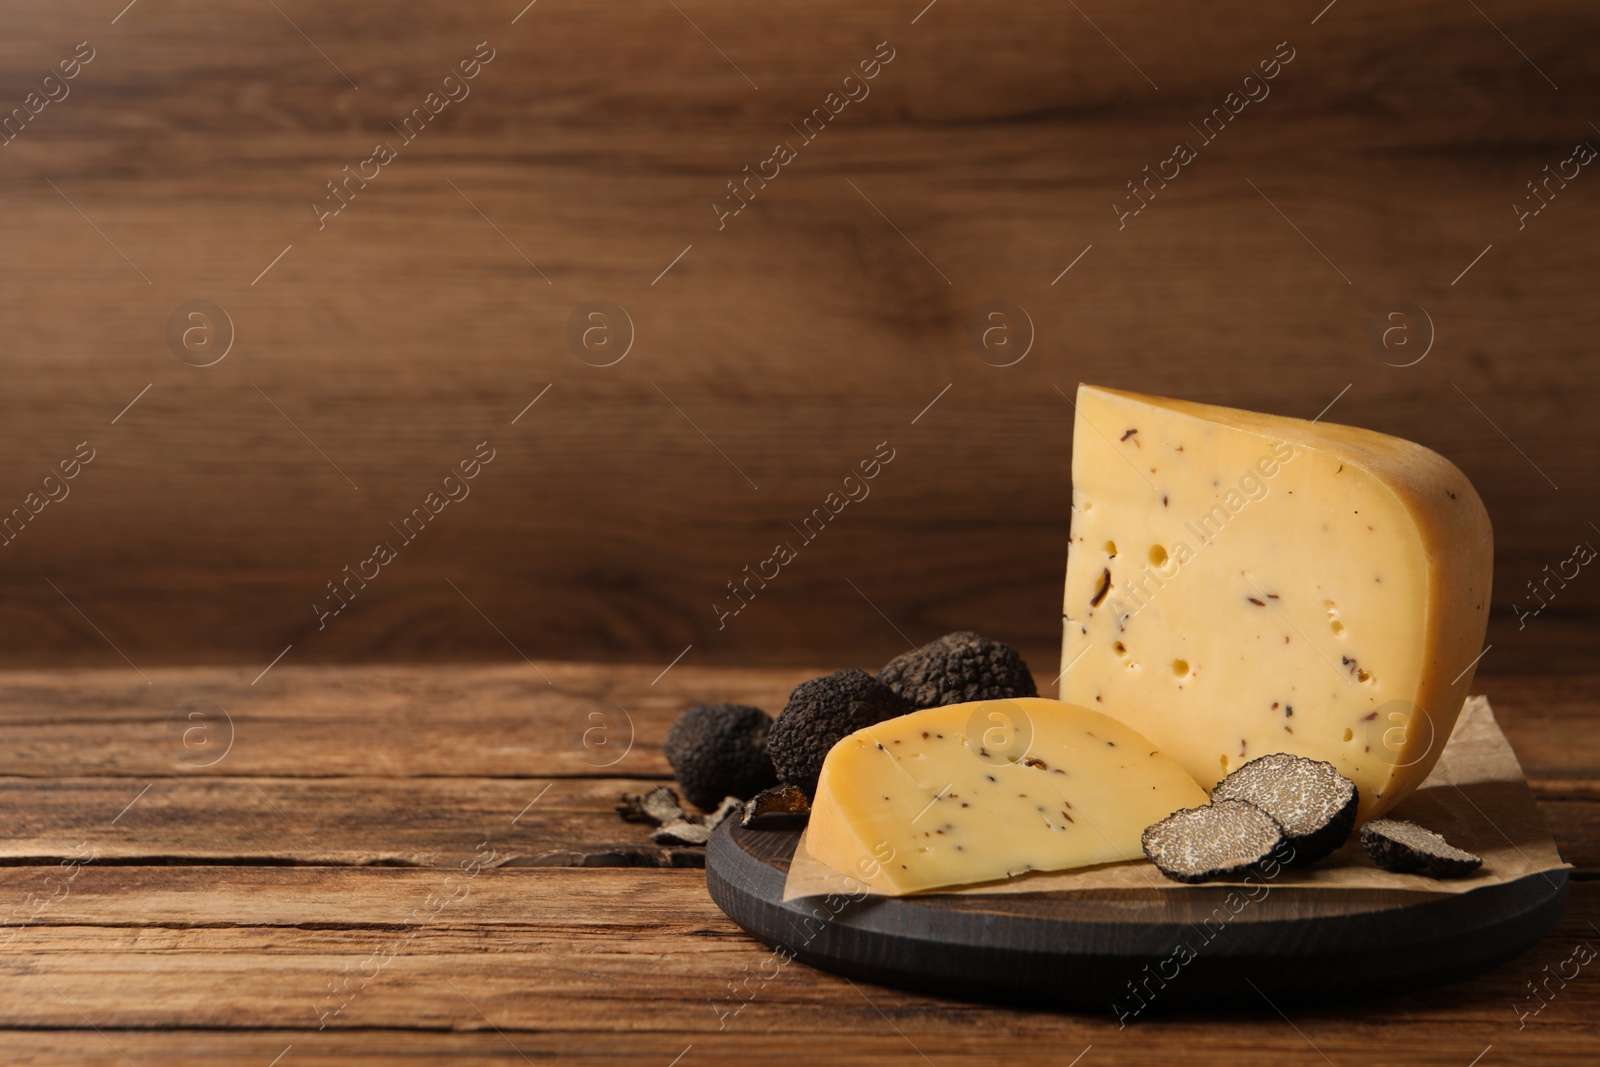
column 1575, row 824
column 504, row 721
column 564, row 951
column 426, row 822
column 796, row 337
column 1248, row 1043
column 1546, row 721
column 520, row 721
column 368, row 898
column 394, row 765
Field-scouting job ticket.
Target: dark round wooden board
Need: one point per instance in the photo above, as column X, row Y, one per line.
column 1119, row 949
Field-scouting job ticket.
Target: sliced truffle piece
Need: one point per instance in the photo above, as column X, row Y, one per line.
column 819, row 714
column 658, row 806
column 720, row 750
column 1221, row 840
column 956, row 669
column 1396, row 845
column 1312, row 801
column 729, row 807
column 780, row 808
column 681, row 832
column 696, row 829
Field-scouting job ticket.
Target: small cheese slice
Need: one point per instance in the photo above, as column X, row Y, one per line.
column 1240, row 584
column 982, row 791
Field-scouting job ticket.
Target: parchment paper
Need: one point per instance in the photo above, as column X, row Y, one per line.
column 1476, row 797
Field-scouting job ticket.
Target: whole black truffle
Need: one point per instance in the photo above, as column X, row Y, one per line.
column 720, row 750
column 957, row 668
column 1312, row 801
column 820, row 713
column 1396, row 845
column 1220, row 840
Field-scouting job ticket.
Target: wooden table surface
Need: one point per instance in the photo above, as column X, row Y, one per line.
column 422, row 865
column 261, row 860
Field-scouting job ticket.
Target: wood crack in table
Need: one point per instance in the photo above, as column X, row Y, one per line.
column 421, row 865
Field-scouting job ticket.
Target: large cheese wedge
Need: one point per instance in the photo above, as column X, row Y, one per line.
column 981, row 791
column 1240, row 584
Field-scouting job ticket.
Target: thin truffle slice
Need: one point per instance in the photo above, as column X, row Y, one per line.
column 1221, row 840
column 778, row 808
column 696, row 830
column 956, row 669
column 1312, row 801
column 658, row 806
column 1396, row 845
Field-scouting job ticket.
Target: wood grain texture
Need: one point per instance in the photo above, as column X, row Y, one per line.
column 1254, row 1044
column 548, row 954
column 378, row 351
column 417, row 765
column 427, row 822
column 410, row 822
column 318, row 866
column 549, row 720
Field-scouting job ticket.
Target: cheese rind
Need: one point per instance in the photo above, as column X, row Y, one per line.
column 985, row 790
column 1240, row 584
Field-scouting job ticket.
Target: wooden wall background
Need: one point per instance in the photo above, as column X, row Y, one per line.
column 775, row 353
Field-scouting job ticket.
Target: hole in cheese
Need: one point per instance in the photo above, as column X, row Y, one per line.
column 1180, row 667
